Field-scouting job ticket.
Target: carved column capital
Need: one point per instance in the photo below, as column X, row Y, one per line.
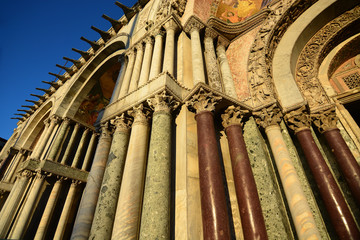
column 149, row 40
column 222, row 42
column 60, row 178
column 130, row 53
column 40, row 175
column 233, row 116
column 158, row 32
column 325, row 120
column 139, row 47
column 75, row 182
column 171, row 24
column 54, row 119
column 163, row 102
column 211, row 33
column 140, row 114
column 268, row 116
column 203, row 101
column 193, row 24
column 298, row 120
column 121, row 123
column 25, row 173
column 105, row 130
column 66, row 120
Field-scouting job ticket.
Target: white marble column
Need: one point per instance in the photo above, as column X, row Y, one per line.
column 80, row 148
column 59, row 139
column 156, row 62
column 89, row 151
column 116, row 91
column 193, row 26
column 229, row 86
column 71, row 144
column 171, row 27
column 129, row 70
column 145, row 69
column 14, row 164
column 212, row 68
column 137, row 67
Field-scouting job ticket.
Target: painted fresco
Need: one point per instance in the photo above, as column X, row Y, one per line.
column 233, row 11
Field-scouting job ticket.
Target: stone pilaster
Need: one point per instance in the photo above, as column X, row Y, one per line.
column 252, row 220
column 129, row 70
column 58, row 140
column 211, row 61
column 138, row 63
column 116, row 92
column 193, row 26
column 326, row 122
column 269, row 118
column 171, row 28
column 71, row 145
column 340, row 215
column 89, row 198
column 156, row 62
column 80, row 148
column 229, row 86
column 158, row 178
column 106, row 207
column 128, row 211
column 145, row 69
column 213, row 201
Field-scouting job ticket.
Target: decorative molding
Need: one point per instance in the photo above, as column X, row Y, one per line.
column 298, row 120
column 163, row 102
column 233, row 116
column 325, row 120
column 168, row 7
column 211, row 33
column 268, row 116
column 203, row 101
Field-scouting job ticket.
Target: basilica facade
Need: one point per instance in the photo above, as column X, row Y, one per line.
column 196, row 119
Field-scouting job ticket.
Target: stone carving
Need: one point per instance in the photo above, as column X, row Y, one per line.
column 268, row 116
column 313, row 53
column 203, row 101
column 149, row 40
column 193, row 24
column 167, row 8
column 140, row 114
column 233, row 116
column 325, row 120
column 171, row 24
column 211, row 61
column 121, row 123
column 25, row 173
column 105, row 130
column 75, row 182
column 163, row 102
column 298, row 120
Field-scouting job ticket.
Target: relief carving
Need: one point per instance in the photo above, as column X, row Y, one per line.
column 163, row 102
column 140, row 114
column 233, row 116
column 203, row 101
column 105, row 130
column 325, row 120
column 167, row 8
column 268, row 116
column 121, row 123
column 193, row 24
column 298, row 120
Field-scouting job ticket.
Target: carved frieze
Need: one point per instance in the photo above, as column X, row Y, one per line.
column 233, row 116
column 203, row 101
column 167, row 8
column 325, row 120
column 298, row 119
column 268, row 116
column 163, row 102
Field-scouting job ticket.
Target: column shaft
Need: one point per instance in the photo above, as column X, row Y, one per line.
column 145, row 69
column 106, row 207
column 252, row 220
column 197, row 58
column 127, row 77
column 300, row 211
column 89, row 198
column 156, row 204
column 137, row 67
column 213, row 200
column 211, row 61
column 347, row 163
column 116, row 91
column 71, row 145
column 89, row 152
column 156, row 61
column 226, row 74
column 58, row 140
column 169, row 49
column 41, row 143
column 128, row 211
column 335, row 204
column 80, row 148
column 49, row 210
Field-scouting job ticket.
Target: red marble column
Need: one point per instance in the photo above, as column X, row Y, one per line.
column 248, row 200
column 213, row 200
column 346, row 161
column 335, row 204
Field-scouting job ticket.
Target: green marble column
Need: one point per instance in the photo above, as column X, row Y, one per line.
column 71, row 145
column 58, row 139
column 106, row 207
column 156, row 203
column 80, row 148
column 89, row 151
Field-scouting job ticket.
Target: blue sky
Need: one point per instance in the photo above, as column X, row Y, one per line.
column 36, row 35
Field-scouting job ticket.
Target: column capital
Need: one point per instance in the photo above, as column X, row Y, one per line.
column 130, row 52
column 66, row 120
column 325, row 120
column 25, row 173
column 268, row 116
column 158, row 31
column 121, row 123
column 298, row 119
column 149, row 40
column 75, row 182
column 140, row 114
column 211, row 33
column 60, row 178
column 171, row 24
column 105, row 131
column 41, row 175
column 233, row 116
column 203, row 101
column 163, row 102
column 222, row 42
column 54, row 119
column 193, row 24
column 139, row 47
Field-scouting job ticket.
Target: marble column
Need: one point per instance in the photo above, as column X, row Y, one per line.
column 106, row 207
column 156, row 62
column 89, row 198
column 252, row 220
column 116, row 91
column 80, row 148
column 129, row 70
column 64, row 217
column 171, row 27
column 128, row 211
column 193, row 27
column 58, row 140
column 137, row 67
column 211, row 61
column 158, row 178
column 71, row 145
column 89, row 151
column 213, row 201
column 47, row 132
column 145, row 69
column 229, row 86
column 28, row 208
column 326, row 122
column 340, row 215
column 12, row 203
column 14, row 165
column 49, row 210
